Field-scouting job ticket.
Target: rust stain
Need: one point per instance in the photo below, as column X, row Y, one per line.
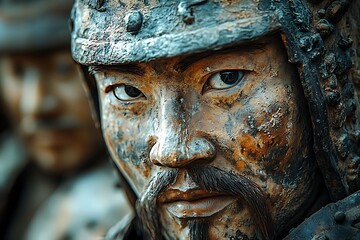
column 240, row 166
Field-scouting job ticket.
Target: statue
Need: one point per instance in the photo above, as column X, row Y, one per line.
column 51, row 193
column 229, row 119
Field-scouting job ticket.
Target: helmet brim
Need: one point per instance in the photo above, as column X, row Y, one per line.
column 91, row 52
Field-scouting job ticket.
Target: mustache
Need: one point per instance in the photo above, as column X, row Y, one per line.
column 214, row 179
column 146, row 207
column 210, row 179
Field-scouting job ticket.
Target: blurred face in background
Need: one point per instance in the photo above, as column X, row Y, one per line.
column 48, row 106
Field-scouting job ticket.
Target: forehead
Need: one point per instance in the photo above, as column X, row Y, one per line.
column 250, row 51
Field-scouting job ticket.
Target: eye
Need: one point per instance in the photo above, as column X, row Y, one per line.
column 127, row 93
column 223, row 80
column 64, row 68
column 18, row 70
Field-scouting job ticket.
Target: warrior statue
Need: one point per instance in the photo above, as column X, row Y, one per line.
column 229, row 119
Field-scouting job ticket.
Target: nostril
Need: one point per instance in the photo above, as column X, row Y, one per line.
column 153, row 155
column 197, row 151
column 156, row 162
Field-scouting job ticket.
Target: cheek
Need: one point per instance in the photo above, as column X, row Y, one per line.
column 11, row 95
column 266, row 126
column 271, row 148
column 128, row 146
column 264, row 136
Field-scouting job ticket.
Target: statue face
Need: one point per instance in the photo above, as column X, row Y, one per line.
column 212, row 142
column 49, row 108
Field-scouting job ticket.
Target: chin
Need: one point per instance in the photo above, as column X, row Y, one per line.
column 234, row 222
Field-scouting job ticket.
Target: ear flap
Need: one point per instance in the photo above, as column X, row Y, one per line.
column 89, row 83
column 130, row 194
column 90, row 87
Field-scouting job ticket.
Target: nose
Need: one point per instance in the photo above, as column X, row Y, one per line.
column 38, row 99
column 176, row 145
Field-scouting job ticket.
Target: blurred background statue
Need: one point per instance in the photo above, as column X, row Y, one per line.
column 56, row 179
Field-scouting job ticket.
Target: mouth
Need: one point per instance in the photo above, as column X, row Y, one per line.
column 194, row 203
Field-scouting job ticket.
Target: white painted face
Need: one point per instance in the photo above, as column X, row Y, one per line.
column 240, row 111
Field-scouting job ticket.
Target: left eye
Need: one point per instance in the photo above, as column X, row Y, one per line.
column 64, row 68
column 127, row 93
column 223, row 80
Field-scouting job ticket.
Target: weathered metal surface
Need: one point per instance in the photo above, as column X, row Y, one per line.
column 103, row 37
column 340, row 220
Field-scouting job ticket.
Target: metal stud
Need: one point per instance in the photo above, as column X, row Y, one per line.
column 99, row 5
column 320, row 237
column 345, row 42
column 133, row 22
column 324, row 27
column 184, row 9
column 339, row 217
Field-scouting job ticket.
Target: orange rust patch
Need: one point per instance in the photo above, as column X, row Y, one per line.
column 240, row 166
column 249, row 148
column 147, row 170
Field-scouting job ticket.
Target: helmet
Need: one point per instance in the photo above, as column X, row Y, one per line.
column 34, row 25
column 319, row 37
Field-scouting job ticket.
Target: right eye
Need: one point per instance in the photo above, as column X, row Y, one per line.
column 18, row 70
column 223, row 80
column 127, row 93
column 65, row 68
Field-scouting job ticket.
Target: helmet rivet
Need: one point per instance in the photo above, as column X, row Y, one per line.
column 320, row 237
column 185, row 12
column 339, row 217
column 133, row 22
column 345, row 42
column 324, row 27
column 184, row 9
column 321, row 13
column 99, row 5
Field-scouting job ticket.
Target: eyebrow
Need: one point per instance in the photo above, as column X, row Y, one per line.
column 186, row 62
column 123, row 68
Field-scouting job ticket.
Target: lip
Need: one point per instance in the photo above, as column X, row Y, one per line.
column 194, row 203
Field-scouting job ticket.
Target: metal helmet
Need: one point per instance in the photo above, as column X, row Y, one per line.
column 320, row 38
column 34, row 25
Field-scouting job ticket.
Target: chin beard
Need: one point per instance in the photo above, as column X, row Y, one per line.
column 210, row 179
column 198, row 229
column 146, row 207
